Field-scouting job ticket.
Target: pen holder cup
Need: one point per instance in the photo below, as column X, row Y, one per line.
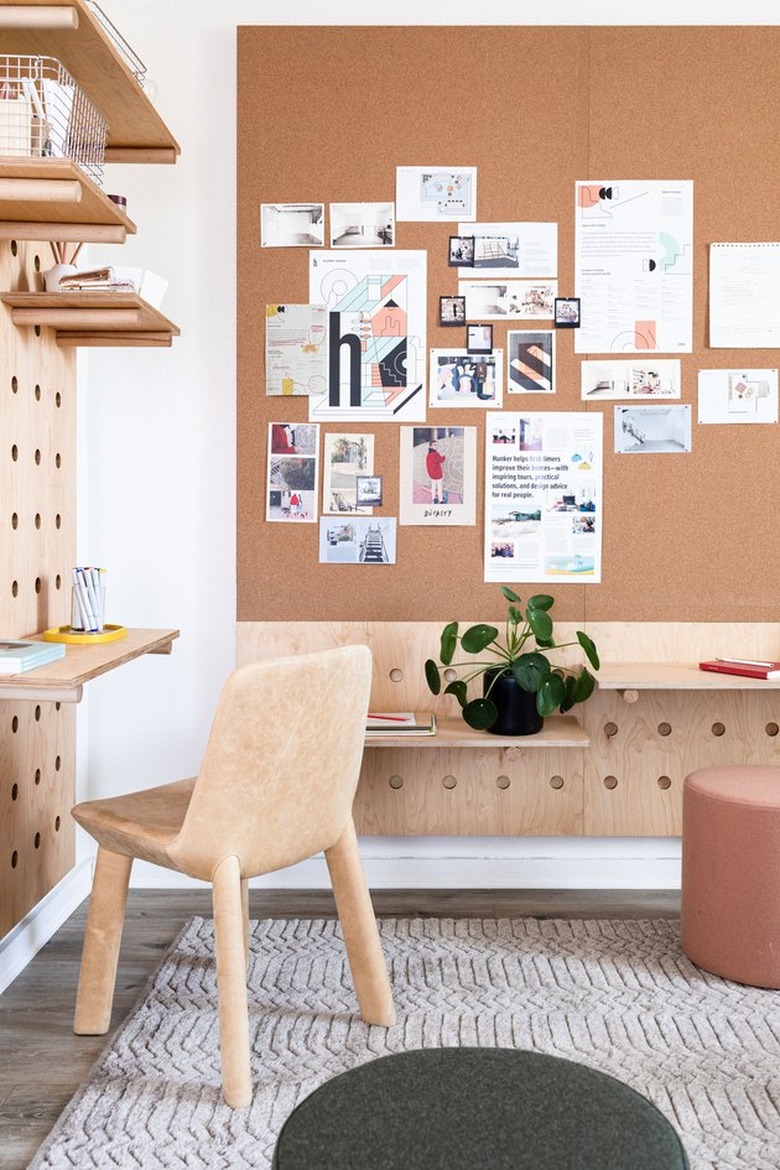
column 81, row 611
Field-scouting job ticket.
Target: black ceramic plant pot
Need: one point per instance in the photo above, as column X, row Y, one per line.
column 517, row 713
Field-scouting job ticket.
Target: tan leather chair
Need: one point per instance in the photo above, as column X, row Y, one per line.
column 276, row 786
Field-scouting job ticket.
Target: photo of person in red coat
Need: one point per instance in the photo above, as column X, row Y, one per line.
column 434, row 461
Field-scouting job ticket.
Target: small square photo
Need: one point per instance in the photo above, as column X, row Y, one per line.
column 479, row 338
column 567, row 312
column 452, row 310
column 368, row 490
column 461, row 253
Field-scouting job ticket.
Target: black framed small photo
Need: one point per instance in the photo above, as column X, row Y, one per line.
column 368, row 491
column 479, row 338
column 452, row 310
column 461, row 253
column 567, row 312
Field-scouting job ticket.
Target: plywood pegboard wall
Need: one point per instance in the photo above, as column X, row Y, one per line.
column 327, row 114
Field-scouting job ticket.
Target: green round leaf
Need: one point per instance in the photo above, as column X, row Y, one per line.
column 432, row 676
column 480, row 714
column 589, row 646
column 584, row 687
column 515, row 615
column 478, row 637
column 529, row 670
column 571, row 693
column 540, row 622
column 541, row 601
column 550, row 695
column 449, row 640
column 510, row 594
column 458, row 689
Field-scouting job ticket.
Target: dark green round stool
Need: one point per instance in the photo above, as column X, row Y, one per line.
column 476, row 1108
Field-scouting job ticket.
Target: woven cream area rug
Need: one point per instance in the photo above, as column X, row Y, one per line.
column 617, row 995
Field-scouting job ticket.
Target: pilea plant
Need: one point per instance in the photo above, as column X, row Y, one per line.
column 520, row 651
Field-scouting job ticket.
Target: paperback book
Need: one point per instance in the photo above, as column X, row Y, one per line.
column 17, row 656
column 747, row 667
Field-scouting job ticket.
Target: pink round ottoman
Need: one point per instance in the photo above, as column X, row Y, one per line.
column 730, row 913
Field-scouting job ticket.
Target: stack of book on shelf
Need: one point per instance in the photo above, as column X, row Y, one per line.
column 112, row 278
column 380, row 724
column 747, row 667
column 16, row 656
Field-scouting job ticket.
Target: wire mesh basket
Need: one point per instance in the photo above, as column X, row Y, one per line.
column 45, row 114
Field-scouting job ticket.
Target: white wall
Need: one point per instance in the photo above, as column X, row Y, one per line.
column 157, row 436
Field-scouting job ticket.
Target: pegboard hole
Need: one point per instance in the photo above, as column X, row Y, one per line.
column 37, row 776
column 14, row 248
column 556, row 782
column 57, row 823
column 58, row 582
column 449, row 675
column 37, row 392
column 58, row 400
column 15, row 724
column 57, row 759
column 610, row 782
column 37, row 840
column 718, row 729
column 610, row 730
column 502, row 782
column 37, row 712
column 396, row 782
column 14, row 384
column 14, row 588
column 37, row 457
column 58, row 521
column 37, row 520
column 58, row 461
column 14, row 859
column 38, row 585
column 14, row 453
column 14, row 791
column 37, row 262
column 15, row 521
column 396, row 674
column 664, row 729
column 664, row 782
column 771, row 729
column 37, row 330
column 449, row 781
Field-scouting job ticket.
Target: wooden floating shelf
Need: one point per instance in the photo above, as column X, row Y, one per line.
column 71, row 33
column 63, row 681
column 558, row 731
column 92, row 318
column 53, row 199
column 674, row 676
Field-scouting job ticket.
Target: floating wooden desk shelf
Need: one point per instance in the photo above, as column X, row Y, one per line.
column 63, row 681
column 53, row 199
column 674, row 676
column 558, row 731
column 136, row 132
column 92, row 318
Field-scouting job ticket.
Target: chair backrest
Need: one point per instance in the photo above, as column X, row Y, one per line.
column 281, row 765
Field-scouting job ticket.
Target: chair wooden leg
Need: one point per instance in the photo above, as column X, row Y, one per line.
column 358, row 924
column 231, row 983
column 102, row 938
column 245, row 912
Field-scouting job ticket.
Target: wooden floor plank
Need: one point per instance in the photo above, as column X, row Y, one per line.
column 43, row 1062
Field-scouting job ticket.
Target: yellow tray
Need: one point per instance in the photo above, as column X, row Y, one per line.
column 82, row 637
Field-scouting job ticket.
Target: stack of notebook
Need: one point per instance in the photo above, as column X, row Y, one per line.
column 17, row 656
column 383, row 723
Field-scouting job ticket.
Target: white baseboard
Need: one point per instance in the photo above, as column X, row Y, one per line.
column 24, row 940
column 479, row 864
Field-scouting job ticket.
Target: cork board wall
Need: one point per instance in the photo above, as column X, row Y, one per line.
column 327, row 114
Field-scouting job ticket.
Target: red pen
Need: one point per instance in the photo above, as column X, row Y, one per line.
column 391, row 718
